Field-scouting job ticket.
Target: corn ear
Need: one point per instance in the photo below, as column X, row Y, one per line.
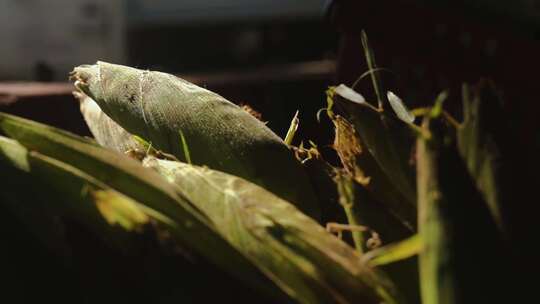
column 157, row 106
column 106, row 132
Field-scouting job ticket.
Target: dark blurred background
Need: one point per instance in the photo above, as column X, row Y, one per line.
column 273, row 55
column 278, row 56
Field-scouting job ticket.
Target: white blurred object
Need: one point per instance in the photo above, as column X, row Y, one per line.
column 399, row 108
column 349, row 94
column 57, row 35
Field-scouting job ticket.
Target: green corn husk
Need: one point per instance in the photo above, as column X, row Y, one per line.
column 464, row 258
column 106, row 132
column 159, row 107
column 127, row 176
column 311, row 264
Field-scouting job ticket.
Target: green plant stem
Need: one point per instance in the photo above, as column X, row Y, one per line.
column 346, row 191
column 372, row 66
column 353, row 220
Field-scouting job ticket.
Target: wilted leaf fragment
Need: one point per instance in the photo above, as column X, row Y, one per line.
column 347, row 145
column 399, row 108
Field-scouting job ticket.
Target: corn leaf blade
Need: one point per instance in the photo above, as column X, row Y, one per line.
column 479, row 149
column 313, row 265
column 130, row 178
column 394, row 252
